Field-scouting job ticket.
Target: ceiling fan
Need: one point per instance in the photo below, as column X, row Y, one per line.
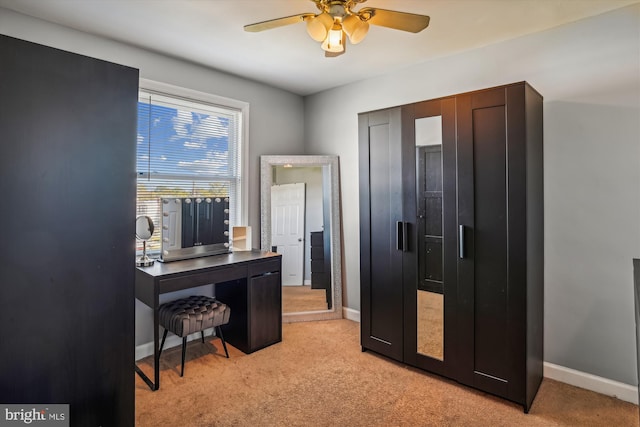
column 338, row 20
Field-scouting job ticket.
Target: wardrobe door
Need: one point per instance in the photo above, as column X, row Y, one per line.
column 492, row 225
column 429, row 263
column 382, row 232
column 67, row 177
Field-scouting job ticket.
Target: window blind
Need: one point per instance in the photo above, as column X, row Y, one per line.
column 186, row 148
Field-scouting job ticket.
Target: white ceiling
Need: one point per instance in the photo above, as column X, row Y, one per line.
column 210, row 32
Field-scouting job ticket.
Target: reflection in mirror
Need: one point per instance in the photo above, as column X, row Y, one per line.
column 430, row 317
column 144, row 227
column 193, row 227
column 144, row 231
column 300, row 220
column 431, row 324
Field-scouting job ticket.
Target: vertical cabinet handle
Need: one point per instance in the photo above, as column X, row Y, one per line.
column 405, row 238
column 402, row 236
column 461, row 241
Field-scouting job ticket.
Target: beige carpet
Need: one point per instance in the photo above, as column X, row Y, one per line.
column 318, row 376
column 303, row 298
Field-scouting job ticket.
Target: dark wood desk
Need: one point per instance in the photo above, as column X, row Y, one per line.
column 248, row 282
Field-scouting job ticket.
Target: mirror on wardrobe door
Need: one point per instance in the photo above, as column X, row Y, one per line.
column 430, row 298
column 300, row 218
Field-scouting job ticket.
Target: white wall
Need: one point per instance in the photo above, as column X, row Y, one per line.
column 276, row 116
column 589, row 75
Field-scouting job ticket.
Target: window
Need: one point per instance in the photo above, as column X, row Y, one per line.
column 189, row 145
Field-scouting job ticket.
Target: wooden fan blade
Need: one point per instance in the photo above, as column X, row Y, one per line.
column 275, row 23
column 403, row 21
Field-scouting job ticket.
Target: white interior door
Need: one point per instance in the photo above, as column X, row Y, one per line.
column 287, row 230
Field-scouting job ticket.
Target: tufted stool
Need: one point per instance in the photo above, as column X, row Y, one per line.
column 190, row 315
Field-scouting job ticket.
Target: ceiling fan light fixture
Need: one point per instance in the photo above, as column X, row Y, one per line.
column 355, row 28
column 319, row 26
column 335, row 40
column 337, row 20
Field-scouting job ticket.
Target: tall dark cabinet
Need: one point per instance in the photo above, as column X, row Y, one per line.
column 321, row 264
column 451, row 205
column 67, row 178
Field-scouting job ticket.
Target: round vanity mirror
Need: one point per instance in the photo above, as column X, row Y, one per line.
column 144, row 231
column 144, row 227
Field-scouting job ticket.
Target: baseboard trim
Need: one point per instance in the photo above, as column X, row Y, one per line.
column 622, row 391
column 351, row 314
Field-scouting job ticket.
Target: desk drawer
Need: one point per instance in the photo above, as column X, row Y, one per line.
column 258, row 268
column 218, row 275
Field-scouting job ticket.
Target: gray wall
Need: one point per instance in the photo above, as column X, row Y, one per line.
column 588, row 73
column 276, row 117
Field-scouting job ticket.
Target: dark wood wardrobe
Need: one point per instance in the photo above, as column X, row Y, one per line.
column 451, row 229
column 321, row 264
column 67, row 179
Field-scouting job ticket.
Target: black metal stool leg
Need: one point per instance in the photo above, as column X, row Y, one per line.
column 224, row 344
column 202, row 335
column 184, row 348
column 164, row 337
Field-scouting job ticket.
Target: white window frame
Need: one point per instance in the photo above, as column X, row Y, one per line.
column 243, row 128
